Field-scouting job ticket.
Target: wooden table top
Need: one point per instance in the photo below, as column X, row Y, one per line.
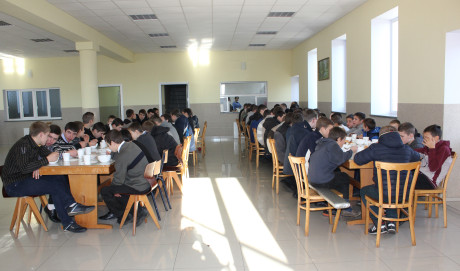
column 78, row 167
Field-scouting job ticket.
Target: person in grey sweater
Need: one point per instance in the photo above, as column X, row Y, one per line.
column 128, row 177
column 324, row 162
column 407, row 132
column 166, row 121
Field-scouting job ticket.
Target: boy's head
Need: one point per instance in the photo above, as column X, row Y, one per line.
column 130, row 114
column 237, row 98
column 166, row 117
column 338, row 134
column 135, row 129
column 117, row 124
column 407, row 132
column 311, row 116
column 148, row 125
column 175, row 114
column 261, row 109
column 70, row 131
column 39, row 131
column 358, row 118
column 110, row 119
column 386, row 129
column 296, row 118
column 157, row 121
column 113, row 139
column 279, row 115
column 323, row 126
column 350, row 121
column 368, row 124
column 150, row 113
column 99, row 129
column 142, row 114
column 53, row 136
column 336, row 119
column 432, row 132
column 88, row 118
column 187, row 112
column 395, row 123
column 81, row 128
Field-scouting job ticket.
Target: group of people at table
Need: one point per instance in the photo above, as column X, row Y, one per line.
column 299, row 131
column 133, row 143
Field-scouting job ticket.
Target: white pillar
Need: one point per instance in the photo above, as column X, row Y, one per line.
column 88, row 76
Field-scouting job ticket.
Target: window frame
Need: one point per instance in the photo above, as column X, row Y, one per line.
column 226, row 96
column 34, row 104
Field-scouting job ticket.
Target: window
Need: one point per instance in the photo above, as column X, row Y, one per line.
column 384, row 64
column 312, row 79
column 32, row 104
column 339, row 76
column 248, row 92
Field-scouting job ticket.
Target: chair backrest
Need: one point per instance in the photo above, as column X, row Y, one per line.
column 300, row 174
column 151, row 171
column 238, row 125
column 256, row 142
column 271, row 142
column 444, row 182
column 196, row 134
column 185, row 150
column 248, row 131
column 397, row 197
column 205, row 127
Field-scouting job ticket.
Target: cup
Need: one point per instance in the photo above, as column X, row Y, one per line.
column 348, row 139
column 66, row 157
column 360, row 148
column 103, row 144
column 353, row 137
column 81, row 152
column 87, row 159
column 88, row 150
column 366, row 138
column 375, row 140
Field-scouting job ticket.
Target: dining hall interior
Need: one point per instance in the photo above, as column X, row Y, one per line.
column 392, row 59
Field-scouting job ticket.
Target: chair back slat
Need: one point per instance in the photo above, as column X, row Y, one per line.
column 271, row 142
column 444, row 182
column 195, row 136
column 185, row 150
column 394, row 197
column 238, row 124
column 205, row 127
column 301, row 179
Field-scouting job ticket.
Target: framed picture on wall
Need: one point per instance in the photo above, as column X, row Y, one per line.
column 323, row 69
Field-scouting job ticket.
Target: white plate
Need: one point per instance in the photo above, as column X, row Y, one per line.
column 54, row 162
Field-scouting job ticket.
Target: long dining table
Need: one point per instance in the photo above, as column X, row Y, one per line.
column 365, row 179
column 83, row 184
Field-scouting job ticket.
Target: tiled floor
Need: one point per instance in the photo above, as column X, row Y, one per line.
column 228, row 218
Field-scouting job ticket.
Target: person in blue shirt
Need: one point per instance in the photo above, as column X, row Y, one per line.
column 236, row 105
column 370, row 130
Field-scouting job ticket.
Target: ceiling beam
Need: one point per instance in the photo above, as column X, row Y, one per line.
column 42, row 14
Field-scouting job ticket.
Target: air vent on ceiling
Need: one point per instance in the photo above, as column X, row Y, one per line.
column 267, row 32
column 41, row 40
column 143, row 17
column 281, row 14
column 71, row 51
column 158, row 35
column 3, row 23
column 168, row 46
column 257, row 44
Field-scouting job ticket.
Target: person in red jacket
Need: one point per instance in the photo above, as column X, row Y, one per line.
column 434, row 154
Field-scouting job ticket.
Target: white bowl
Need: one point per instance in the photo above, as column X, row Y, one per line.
column 53, row 162
column 359, row 141
column 103, row 158
column 93, row 147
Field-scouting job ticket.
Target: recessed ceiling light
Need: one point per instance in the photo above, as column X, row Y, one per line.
column 168, row 46
column 257, row 44
column 143, row 17
column 158, row 35
column 3, row 23
column 266, row 32
column 41, row 40
column 281, row 14
column 71, row 51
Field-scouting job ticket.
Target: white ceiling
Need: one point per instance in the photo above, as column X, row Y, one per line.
column 229, row 24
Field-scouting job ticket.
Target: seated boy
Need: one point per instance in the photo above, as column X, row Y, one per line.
column 64, row 142
column 369, row 129
column 408, row 135
column 349, row 119
column 358, row 119
column 325, row 161
column 434, row 155
column 391, row 149
column 337, row 120
column 97, row 132
column 395, row 123
column 323, row 126
column 117, row 124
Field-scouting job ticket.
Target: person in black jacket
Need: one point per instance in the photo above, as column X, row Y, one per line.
column 165, row 142
column 269, row 123
column 323, row 126
column 146, row 139
column 390, row 148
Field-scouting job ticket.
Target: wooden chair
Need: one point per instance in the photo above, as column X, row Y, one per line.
column 251, row 146
column 240, row 131
column 259, row 149
column 195, row 138
column 201, row 140
column 277, row 168
column 171, row 174
column 246, row 135
column 150, row 173
column 436, row 196
column 402, row 201
column 21, row 207
column 306, row 195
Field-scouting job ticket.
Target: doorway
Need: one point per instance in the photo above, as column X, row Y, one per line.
column 110, row 102
column 173, row 96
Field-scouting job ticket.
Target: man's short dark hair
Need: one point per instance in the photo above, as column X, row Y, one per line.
column 72, row 126
column 188, row 111
column 147, row 126
column 360, row 115
column 336, row 114
column 151, row 111
column 135, row 126
column 158, row 120
column 142, row 111
column 167, row 117
column 336, row 133
column 407, row 128
column 38, row 127
column 112, row 117
column 100, row 127
column 279, row 113
column 54, row 129
column 323, row 123
column 336, row 118
column 310, row 114
column 349, row 116
column 296, row 118
column 175, row 112
column 79, row 124
column 117, row 122
column 395, row 121
column 261, row 107
column 129, row 113
column 288, row 118
column 237, row 97
column 370, row 123
column 126, row 135
column 87, row 117
column 113, row 136
column 434, row 130
column 387, row 129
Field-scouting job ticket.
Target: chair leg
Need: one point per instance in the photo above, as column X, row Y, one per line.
column 398, row 212
column 15, row 214
column 277, row 181
column 444, row 209
column 164, row 189
column 273, row 178
column 336, row 220
column 145, row 200
column 298, row 212
column 155, row 204
column 20, row 214
column 330, row 214
column 177, row 180
column 436, row 207
column 257, row 156
column 128, row 208
column 379, row 229
column 415, row 205
column 366, row 220
column 136, row 206
column 430, row 206
column 307, row 217
column 34, row 210
column 411, row 225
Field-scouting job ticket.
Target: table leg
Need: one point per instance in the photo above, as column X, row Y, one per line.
column 365, row 176
column 84, row 191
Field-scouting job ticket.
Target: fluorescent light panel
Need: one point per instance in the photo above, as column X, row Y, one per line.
column 154, row 35
column 3, row 23
column 168, row 46
column 267, row 32
column 143, row 17
column 281, row 14
column 41, row 40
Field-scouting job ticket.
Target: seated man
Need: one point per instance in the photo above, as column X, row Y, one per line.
column 164, row 142
column 109, row 122
column 324, row 162
column 391, row 149
column 358, row 119
column 278, row 116
column 146, row 139
column 21, row 176
column 407, row 132
column 434, row 155
column 166, row 121
column 395, row 123
column 130, row 116
column 117, row 124
column 369, row 129
column 81, row 140
column 88, row 121
column 96, row 133
column 64, row 142
column 53, row 136
column 280, row 136
column 254, row 121
column 260, row 130
column 130, row 163
column 323, row 126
